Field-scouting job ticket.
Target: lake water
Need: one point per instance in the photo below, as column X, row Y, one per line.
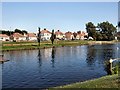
column 56, row 66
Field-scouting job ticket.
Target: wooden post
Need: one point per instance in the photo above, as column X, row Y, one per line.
column 110, row 63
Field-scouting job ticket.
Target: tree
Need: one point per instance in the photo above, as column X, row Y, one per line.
column 18, row 31
column 75, row 35
column 39, row 35
column 6, row 32
column 91, row 30
column 24, row 31
column 107, row 30
column 53, row 36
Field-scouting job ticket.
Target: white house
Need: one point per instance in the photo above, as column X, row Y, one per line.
column 18, row 37
column 31, row 37
column 4, row 37
column 45, row 34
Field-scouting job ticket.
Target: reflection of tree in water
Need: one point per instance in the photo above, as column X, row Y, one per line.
column 39, row 57
column 107, row 68
column 90, row 55
column 107, row 55
column 53, row 57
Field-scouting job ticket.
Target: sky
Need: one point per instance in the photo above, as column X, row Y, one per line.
column 63, row 16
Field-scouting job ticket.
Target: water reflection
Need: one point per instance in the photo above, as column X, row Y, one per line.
column 53, row 57
column 90, row 59
column 99, row 55
column 39, row 58
column 50, row 67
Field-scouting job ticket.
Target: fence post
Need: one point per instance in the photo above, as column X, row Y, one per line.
column 110, row 63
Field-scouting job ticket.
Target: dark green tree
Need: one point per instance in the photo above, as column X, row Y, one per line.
column 6, row 32
column 91, row 30
column 53, row 36
column 18, row 31
column 75, row 35
column 107, row 30
column 39, row 36
column 24, row 31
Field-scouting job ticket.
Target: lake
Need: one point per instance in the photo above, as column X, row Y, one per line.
column 56, row 66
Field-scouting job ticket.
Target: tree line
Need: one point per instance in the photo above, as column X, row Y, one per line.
column 15, row 31
column 104, row 31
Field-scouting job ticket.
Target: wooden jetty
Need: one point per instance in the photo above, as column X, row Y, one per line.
column 2, row 60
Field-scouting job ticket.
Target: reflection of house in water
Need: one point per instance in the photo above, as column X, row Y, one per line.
column 47, row 53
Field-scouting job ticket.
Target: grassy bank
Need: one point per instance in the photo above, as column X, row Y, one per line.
column 111, row 81
column 34, row 45
column 47, row 44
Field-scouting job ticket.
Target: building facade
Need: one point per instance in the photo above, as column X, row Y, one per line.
column 45, row 34
column 4, row 37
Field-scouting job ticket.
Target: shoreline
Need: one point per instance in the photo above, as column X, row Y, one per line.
column 108, row 81
column 34, row 46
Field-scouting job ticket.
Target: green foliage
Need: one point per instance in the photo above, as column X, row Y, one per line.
column 91, row 29
column 75, row 35
column 24, row 31
column 6, row 32
column 115, row 69
column 9, row 33
column 106, row 31
column 18, row 31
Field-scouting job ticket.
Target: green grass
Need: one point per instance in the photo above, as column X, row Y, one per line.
column 34, row 45
column 110, row 81
column 46, row 44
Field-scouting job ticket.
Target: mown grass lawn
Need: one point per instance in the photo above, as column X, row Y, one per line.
column 111, row 81
column 34, row 45
column 46, row 44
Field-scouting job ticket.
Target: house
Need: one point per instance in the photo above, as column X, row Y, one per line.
column 45, row 34
column 19, row 37
column 59, row 35
column 31, row 37
column 69, row 36
column 81, row 35
column 4, row 37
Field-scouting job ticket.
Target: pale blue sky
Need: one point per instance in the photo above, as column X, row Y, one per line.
column 64, row 16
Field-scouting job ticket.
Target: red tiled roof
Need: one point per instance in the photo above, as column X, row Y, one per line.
column 45, row 31
column 70, row 33
column 17, row 35
column 58, row 33
column 3, row 35
column 31, row 35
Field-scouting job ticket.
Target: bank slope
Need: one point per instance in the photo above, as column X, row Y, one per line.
column 110, row 81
